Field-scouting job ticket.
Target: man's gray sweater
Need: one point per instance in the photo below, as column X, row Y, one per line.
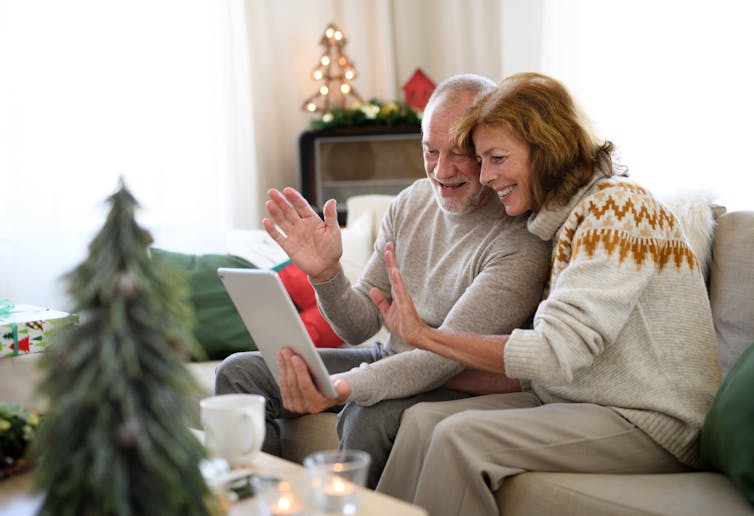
column 480, row 272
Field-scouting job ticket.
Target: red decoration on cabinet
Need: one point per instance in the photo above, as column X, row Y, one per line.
column 418, row 89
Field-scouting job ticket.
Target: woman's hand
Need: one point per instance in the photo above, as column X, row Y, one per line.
column 400, row 316
column 484, row 352
column 297, row 390
column 313, row 244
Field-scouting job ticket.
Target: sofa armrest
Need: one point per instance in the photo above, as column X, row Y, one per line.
column 573, row 494
column 732, row 285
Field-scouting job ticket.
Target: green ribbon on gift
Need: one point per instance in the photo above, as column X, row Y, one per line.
column 14, row 329
column 6, row 307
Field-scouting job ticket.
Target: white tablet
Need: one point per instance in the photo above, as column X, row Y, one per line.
column 273, row 321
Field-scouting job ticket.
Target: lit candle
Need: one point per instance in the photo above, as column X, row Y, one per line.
column 338, row 495
column 336, row 486
column 284, row 506
column 335, row 479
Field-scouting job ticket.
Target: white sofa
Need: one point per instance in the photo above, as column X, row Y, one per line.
column 724, row 243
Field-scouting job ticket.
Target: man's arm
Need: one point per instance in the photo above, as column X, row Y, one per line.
column 347, row 307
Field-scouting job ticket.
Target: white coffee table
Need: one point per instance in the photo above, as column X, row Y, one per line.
column 18, row 499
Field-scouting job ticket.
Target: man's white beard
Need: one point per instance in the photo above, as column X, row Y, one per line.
column 460, row 206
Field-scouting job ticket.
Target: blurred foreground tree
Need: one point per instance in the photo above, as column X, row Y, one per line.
column 116, row 438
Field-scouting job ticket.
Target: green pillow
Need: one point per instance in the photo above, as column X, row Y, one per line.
column 218, row 329
column 728, row 432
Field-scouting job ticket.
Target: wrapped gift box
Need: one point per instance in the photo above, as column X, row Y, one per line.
column 27, row 328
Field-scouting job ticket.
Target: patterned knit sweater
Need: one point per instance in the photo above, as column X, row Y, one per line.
column 626, row 322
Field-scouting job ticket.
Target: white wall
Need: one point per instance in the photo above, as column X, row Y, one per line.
column 669, row 82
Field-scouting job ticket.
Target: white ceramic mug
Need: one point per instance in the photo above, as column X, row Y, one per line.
column 234, row 426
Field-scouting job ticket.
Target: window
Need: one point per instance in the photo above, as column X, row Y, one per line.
column 669, row 82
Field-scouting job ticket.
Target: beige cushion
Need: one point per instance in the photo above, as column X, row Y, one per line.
column 358, row 239
column 566, row 494
column 306, row 434
column 732, row 285
column 697, row 216
column 204, row 374
column 374, row 204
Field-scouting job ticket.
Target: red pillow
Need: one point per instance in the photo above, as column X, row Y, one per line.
column 302, row 294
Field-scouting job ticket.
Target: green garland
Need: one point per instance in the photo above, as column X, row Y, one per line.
column 370, row 113
column 18, row 427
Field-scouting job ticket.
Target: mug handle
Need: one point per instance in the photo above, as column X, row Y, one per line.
column 249, row 414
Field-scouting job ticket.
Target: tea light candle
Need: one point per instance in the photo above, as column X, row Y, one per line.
column 336, row 486
column 285, row 505
column 335, row 479
column 280, row 501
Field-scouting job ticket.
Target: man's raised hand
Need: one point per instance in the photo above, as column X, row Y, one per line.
column 313, row 244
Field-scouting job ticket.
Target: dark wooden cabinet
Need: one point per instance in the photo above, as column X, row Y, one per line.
column 343, row 162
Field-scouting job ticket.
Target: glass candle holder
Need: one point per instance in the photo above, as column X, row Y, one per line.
column 335, row 477
column 273, row 497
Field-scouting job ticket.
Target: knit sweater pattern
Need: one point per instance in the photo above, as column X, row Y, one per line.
column 626, row 322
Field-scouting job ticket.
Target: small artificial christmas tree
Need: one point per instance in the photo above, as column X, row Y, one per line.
column 116, row 439
column 335, row 72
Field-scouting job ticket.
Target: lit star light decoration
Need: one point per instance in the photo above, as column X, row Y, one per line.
column 337, row 104
column 335, row 73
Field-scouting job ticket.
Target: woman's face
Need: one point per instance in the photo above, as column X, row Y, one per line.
column 505, row 166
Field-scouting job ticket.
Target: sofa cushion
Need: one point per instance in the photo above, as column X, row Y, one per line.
column 576, row 494
column 218, row 329
column 301, row 292
column 732, row 285
column 374, row 205
column 358, row 240
column 727, row 436
column 696, row 214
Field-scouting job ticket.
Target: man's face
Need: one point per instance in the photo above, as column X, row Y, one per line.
column 454, row 175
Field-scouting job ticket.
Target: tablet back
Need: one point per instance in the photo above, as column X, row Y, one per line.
column 272, row 320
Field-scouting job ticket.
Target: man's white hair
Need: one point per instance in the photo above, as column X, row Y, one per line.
column 456, row 88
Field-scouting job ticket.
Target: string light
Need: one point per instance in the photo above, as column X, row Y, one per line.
column 335, row 71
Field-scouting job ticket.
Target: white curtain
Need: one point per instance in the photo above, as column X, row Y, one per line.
column 195, row 103
column 95, row 90
column 668, row 81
